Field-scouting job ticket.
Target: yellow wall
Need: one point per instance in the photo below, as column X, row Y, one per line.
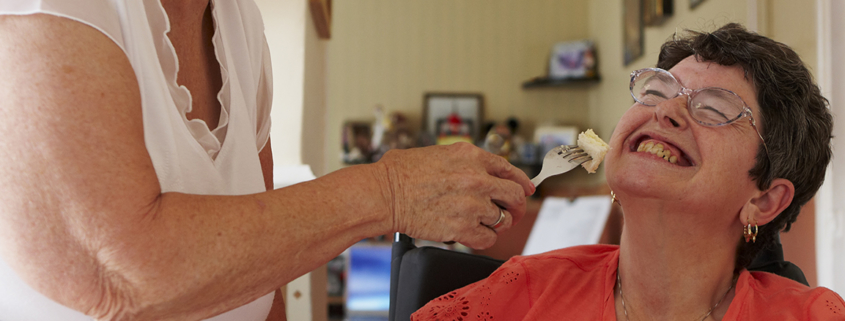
column 314, row 99
column 392, row 52
column 792, row 22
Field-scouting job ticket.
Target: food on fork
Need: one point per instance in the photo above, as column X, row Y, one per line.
column 593, row 146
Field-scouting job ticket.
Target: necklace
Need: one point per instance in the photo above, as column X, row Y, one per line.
column 624, row 309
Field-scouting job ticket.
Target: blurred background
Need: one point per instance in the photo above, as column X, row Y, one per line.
column 354, row 78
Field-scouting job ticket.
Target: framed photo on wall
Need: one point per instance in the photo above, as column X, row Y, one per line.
column 655, row 12
column 574, row 59
column 321, row 13
column 453, row 117
column 633, row 30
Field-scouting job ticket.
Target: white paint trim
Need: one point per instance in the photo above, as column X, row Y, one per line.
column 830, row 209
column 299, row 306
column 824, row 204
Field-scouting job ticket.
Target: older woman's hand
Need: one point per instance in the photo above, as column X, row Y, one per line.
column 454, row 193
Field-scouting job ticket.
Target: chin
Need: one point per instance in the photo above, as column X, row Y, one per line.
column 634, row 186
column 635, row 182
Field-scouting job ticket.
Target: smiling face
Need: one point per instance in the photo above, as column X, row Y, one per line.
column 710, row 172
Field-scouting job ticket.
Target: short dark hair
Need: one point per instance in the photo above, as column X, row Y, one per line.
column 793, row 118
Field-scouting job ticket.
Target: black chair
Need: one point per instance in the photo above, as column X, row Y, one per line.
column 771, row 260
column 419, row 275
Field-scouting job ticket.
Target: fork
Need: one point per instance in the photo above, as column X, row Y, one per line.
column 560, row 160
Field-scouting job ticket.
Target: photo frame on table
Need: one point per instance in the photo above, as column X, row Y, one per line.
column 356, row 140
column 548, row 137
column 633, row 30
column 453, row 117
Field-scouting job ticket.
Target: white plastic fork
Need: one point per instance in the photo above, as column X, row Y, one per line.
column 560, row 160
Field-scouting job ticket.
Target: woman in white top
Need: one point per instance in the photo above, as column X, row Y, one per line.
column 136, row 164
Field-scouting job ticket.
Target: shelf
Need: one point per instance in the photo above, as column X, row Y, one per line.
column 545, row 82
column 338, row 300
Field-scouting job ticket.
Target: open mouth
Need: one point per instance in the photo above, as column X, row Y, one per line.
column 662, row 149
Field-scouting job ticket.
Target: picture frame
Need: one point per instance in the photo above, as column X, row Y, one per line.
column 633, row 30
column 356, row 142
column 548, row 137
column 655, row 12
column 321, row 13
column 573, row 60
column 453, row 117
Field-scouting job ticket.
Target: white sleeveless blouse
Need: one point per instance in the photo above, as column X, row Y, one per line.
column 187, row 156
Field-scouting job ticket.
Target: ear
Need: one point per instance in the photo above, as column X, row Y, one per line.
column 765, row 206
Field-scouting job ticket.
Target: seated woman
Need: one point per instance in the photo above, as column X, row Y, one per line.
column 727, row 139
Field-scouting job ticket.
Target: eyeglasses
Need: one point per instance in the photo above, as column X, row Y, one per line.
column 710, row 106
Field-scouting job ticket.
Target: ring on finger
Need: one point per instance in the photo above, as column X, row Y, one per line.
column 500, row 221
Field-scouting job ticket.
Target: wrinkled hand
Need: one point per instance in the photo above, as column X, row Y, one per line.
column 454, row 193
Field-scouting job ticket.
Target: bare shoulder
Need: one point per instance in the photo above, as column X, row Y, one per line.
column 74, row 155
column 42, row 42
column 69, row 89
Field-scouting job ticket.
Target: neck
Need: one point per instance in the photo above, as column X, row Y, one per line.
column 185, row 13
column 673, row 270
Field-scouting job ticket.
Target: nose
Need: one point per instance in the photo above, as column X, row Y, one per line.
column 673, row 112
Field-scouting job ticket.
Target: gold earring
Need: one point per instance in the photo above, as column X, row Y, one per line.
column 750, row 233
column 613, row 198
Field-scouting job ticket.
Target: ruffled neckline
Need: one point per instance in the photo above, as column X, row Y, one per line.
column 209, row 140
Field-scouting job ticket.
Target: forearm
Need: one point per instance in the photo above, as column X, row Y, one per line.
column 237, row 248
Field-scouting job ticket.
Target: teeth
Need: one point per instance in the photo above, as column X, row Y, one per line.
column 658, row 150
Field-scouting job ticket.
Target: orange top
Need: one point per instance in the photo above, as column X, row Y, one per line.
column 577, row 283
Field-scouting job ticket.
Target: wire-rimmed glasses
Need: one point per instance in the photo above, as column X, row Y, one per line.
column 709, row 106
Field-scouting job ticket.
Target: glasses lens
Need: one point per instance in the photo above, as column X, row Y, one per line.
column 652, row 87
column 714, row 106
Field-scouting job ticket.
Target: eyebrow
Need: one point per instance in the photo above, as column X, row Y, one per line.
column 708, row 107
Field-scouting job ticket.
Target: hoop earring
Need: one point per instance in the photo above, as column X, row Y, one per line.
column 750, row 233
column 613, row 198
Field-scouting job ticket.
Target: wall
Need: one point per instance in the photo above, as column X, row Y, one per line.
column 299, row 84
column 392, row 52
column 284, row 24
column 314, row 113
